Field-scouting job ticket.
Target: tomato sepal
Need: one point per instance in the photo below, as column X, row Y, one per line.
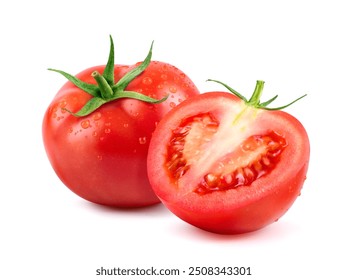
column 254, row 100
column 106, row 90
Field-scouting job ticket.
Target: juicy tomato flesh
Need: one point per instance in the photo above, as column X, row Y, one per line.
column 255, row 157
column 227, row 167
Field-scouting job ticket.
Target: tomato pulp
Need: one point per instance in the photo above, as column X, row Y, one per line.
column 101, row 156
column 225, row 166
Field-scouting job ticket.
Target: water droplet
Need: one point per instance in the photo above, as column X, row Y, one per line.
column 70, row 130
column 108, row 124
column 62, row 104
column 164, row 77
column 107, row 130
column 172, row 104
column 85, row 124
column 160, row 86
column 142, row 140
column 100, row 157
column 95, row 133
column 97, row 116
column 125, row 125
column 147, row 81
column 173, row 89
column 54, row 115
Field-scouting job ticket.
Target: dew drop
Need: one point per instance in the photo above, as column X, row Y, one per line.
column 85, row 124
column 164, row 77
column 97, row 116
column 160, row 86
column 100, row 157
column 172, row 104
column 107, row 130
column 147, row 81
column 125, row 125
column 94, row 133
column 62, row 104
column 142, row 140
column 173, row 89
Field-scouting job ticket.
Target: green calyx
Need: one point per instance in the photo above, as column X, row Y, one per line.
column 106, row 90
column 254, row 101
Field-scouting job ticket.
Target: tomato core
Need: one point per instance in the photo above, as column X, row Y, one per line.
column 255, row 157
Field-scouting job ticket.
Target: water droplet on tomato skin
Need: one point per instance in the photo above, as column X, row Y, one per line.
column 147, row 81
column 99, row 157
column 96, row 116
column 125, row 125
column 172, row 104
column 107, row 130
column 142, row 140
column 172, row 89
column 85, row 124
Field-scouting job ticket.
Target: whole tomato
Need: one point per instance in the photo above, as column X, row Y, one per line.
column 228, row 164
column 97, row 129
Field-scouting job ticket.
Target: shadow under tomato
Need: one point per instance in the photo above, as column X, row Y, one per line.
column 152, row 210
column 277, row 230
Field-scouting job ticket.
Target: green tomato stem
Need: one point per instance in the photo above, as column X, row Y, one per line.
column 105, row 89
column 255, row 98
column 254, row 101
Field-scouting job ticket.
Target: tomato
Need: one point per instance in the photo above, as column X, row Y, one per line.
column 226, row 164
column 97, row 139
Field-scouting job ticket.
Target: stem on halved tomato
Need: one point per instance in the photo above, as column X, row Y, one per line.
column 254, row 101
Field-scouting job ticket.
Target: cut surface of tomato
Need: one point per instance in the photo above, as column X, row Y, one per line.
column 227, row 167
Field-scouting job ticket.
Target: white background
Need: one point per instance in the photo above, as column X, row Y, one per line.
column 297, row 47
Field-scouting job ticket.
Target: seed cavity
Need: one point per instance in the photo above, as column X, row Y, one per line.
column 256, row 156
column 264, row 163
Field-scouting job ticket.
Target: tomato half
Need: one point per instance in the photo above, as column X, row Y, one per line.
column 101, row 156
column 226, row 165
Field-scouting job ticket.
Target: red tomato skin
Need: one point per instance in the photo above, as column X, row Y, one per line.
column 102, row 157
column 243, row 209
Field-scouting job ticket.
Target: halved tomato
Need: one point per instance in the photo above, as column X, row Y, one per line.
column 227, row 164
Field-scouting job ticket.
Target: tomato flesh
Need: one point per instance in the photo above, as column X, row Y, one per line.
column 227, row 167
column 256, row 156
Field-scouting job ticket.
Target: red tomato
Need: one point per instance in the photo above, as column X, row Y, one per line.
column 228, row 165
column 102, row 156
